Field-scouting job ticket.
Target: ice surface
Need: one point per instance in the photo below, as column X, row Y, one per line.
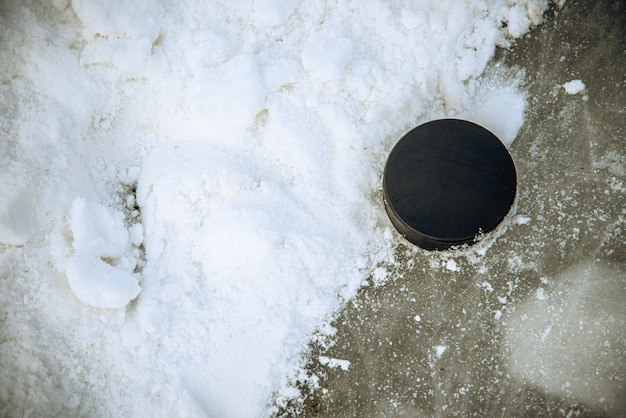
column 577, row 352
column 254, row 138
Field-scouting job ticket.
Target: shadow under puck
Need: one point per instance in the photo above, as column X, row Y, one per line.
column 447, row 181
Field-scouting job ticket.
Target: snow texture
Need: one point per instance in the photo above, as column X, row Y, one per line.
column 188, row 190
column 333, row 363
column 574, row 87
column 98, row 284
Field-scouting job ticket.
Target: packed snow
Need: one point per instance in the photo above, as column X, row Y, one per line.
column 189, row 190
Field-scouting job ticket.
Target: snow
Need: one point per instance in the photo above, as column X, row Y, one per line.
column 98, row 284
column 327, row 56
column 188, row 190
column 574, row 87
column 541, row 294
column 97, row 230
column 440, row 349
column 452, row 266
column 333, row 363
column 553, row 352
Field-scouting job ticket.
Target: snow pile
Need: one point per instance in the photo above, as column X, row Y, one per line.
column 190, row 189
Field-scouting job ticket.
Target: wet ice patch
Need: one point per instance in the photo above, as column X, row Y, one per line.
column 577, row 353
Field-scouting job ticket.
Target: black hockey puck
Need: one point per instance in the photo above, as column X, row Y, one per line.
column 448, row 181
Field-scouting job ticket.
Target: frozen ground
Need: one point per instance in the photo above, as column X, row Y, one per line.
column 189, row 192
column 532, row 323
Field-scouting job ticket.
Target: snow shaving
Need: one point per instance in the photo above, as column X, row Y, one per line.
column 189, row 190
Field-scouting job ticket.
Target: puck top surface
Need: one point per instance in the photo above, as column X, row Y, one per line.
column 446, row 181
